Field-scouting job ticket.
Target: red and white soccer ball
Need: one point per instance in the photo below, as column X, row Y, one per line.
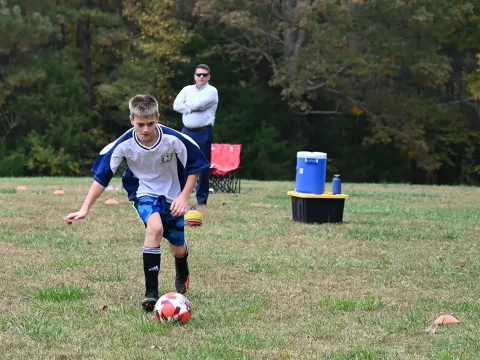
column 173, row 307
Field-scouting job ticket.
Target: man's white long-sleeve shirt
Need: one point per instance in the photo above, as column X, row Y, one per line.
column 198, row 105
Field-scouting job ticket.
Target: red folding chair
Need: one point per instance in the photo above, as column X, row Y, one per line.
column 225, row 168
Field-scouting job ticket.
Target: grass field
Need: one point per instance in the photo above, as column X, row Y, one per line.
column 263, row 287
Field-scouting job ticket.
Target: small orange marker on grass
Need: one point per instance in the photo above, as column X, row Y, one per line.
column 445, row 319
column 111, row 202
column 21, row 188
column 59, row 192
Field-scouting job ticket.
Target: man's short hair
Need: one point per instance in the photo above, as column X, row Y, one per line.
column 204, row 67
column 143, row 106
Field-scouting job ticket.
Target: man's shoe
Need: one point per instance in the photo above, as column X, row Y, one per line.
column 148, row 304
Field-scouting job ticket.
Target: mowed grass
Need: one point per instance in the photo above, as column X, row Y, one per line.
column 263, row 286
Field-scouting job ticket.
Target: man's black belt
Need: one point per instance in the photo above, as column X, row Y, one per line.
column 199, row 128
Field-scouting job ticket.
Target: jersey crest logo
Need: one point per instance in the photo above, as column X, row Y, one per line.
column 166, row 158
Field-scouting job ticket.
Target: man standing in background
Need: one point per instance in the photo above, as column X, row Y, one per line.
column 198, row 104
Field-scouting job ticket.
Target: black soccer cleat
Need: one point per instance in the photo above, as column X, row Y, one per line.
column 148, row 304
column 182, row 275
column 182, row 284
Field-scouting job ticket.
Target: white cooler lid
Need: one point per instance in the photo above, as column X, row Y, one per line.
column 311, row 155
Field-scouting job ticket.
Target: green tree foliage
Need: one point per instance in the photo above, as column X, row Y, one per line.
column 268, row 140
column 24, row 31
column 384, row 60
column 96, row 36
column 55, row 113
column 249, row 113
column 388, row 88
column 81, row 62
column 26, row 27
column 147, row 65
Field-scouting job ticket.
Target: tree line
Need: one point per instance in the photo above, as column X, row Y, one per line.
column 387, row 88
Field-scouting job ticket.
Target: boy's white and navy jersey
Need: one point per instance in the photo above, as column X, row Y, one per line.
column 161, row 169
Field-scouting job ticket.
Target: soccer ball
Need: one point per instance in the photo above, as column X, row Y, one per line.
column 173, row 307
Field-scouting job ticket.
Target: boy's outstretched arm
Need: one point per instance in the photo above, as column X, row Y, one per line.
column 95, row 191
column 179, row 206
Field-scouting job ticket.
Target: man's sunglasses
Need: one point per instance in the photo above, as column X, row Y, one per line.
column 202, row 75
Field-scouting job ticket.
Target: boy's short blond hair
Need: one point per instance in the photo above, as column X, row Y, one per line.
column 143, row 106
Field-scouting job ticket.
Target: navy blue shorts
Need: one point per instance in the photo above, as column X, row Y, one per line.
column 173, row 226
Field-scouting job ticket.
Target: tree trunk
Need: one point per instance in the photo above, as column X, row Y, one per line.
column 416, row 174
column 84, row 45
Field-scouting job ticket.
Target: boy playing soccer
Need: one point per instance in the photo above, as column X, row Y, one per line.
column 163, row 168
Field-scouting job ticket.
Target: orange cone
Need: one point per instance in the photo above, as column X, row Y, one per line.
column 21, row 188
column 445, row 319
column 111, row 202
column 59, row 192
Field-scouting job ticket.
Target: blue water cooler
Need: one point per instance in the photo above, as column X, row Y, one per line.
column 311, row 172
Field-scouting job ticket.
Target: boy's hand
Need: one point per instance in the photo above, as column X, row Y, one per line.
column 75, row 216
column 179, row 206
